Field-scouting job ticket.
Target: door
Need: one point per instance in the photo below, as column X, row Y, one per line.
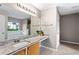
column 33, row 49
column 22, row 52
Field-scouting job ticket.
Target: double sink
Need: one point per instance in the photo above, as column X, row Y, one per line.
column 26, row 42
column 15, row 43
column 20, row 43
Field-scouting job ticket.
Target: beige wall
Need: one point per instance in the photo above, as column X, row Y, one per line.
column 35, row 22
column 35, row 25
column 48, row 25
column 3, row 25
column 58, row 28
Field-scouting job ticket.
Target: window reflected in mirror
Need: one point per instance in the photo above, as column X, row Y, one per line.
column 12, row 26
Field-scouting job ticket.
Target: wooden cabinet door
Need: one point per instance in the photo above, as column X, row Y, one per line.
column 33, row 49
column 22, row 52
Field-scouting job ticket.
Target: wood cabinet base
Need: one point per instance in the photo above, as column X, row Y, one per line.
column 22, row 52
column 33, row 49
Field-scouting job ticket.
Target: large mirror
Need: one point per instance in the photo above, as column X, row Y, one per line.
column 18, row 22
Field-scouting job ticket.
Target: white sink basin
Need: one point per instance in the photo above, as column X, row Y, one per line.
column 21, row 44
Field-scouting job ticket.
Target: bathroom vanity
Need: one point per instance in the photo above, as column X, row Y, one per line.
column 29, row 46
column 33, row 49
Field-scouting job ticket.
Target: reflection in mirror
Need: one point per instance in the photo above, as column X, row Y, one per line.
column 13, row 26
column 18, row 28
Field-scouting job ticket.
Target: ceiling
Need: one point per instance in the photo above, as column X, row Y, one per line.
column 68, row 8
column 11, row 10
column 63, row 8
column 42, row 6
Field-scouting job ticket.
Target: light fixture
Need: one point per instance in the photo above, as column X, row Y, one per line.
column 27, row 9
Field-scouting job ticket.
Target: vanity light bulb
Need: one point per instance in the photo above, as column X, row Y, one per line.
column 26, row 9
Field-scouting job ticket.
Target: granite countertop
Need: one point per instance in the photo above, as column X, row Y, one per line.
column 9, row 48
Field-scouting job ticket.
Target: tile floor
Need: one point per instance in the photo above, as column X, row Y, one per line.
column 64, row 49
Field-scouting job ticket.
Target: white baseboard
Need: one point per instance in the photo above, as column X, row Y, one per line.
column 70, row 42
